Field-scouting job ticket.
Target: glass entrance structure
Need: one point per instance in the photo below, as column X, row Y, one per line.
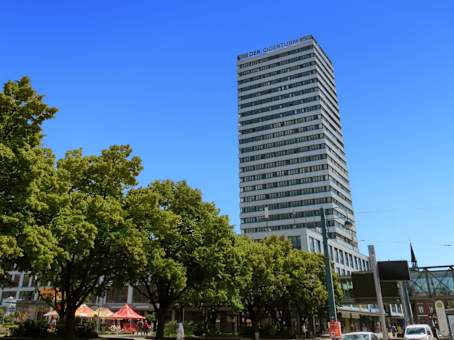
column 432, row 282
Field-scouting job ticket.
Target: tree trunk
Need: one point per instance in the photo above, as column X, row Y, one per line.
column 254, row 319
column 70, row 323
column 161, row 320
column 205, row 320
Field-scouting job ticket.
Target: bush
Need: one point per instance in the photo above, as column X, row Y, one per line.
column 86, row 330
column 247, row 331
column 192, row 328
column 34, row 328
column 170, row 328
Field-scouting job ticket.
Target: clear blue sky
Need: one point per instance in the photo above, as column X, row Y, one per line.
column 160, row 75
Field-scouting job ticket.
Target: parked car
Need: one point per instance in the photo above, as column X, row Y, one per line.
column 418, row 332
column 360, row 336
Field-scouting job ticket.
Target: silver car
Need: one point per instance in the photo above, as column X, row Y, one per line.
column 418, row 332
column 360, row 336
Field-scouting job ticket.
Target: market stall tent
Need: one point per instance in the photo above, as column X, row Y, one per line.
column 84, row 312
column 126, row 312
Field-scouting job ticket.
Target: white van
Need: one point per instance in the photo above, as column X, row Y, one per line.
column 418, row 332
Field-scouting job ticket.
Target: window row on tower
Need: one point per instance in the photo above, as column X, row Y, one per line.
column 291, row 215
column 276, row 56
column 276, row 64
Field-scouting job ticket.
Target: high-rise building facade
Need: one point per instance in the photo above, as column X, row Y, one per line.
column 291, row 150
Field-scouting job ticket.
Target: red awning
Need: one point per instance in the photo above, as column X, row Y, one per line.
column 127, row 312
column 84, row 312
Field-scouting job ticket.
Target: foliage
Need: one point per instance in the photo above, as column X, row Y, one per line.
column 190, row 328
column 281, row 282
column 86, row 330
column 80, row 223
column 186, row 241
column 170, row 328
column 263, row 282
column 61, row 220
column 246, row 331
column 22, row 159
column 31, row 328
column 193, row 328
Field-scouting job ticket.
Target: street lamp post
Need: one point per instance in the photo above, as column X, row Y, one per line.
column 332, row 312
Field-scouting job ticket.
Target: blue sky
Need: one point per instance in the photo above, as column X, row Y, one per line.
column 160, row 75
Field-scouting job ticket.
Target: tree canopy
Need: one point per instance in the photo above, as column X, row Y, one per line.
column 22, row 158
column 60, row 221
column 282, row 283
column 186, row 245
column 80, row 222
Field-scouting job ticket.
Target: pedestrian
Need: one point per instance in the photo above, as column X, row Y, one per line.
column 180, row 331
column 304, row 329
column 433, row 327
column 146, row 327
column 140, row 327
column 394, row 330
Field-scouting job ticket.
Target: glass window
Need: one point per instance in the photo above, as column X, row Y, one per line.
column 6, row 295
column 356, row 337
column 16, row 279
column 420, row 308
column 415, row 330
column 117, row 295
column 337, row 255
column 296, row 241
column 26, row 280
column 319, row 247
column 138, row 297
column 341, row 256
column 26, row 295
column 331, row 256
column 311, row 244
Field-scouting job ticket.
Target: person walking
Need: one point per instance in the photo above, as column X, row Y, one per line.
column 146, row 327
column 180, row 331
column 304, row 329
column 433, row 327
column 394, row 330
column 140, row 327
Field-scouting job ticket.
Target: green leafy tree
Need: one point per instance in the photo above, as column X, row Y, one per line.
column 185, row 238
column 264, row 280
column 80, row 241
column 282, row 282
column 22, row 113
column 220, row 291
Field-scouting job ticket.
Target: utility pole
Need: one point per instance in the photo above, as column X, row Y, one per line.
column 374, row 269
column 332, row 313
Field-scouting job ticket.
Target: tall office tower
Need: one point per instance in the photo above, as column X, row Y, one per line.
column 291, row 149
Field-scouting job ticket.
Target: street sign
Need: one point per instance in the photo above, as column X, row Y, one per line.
column 393, row 270
column 364, row 289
